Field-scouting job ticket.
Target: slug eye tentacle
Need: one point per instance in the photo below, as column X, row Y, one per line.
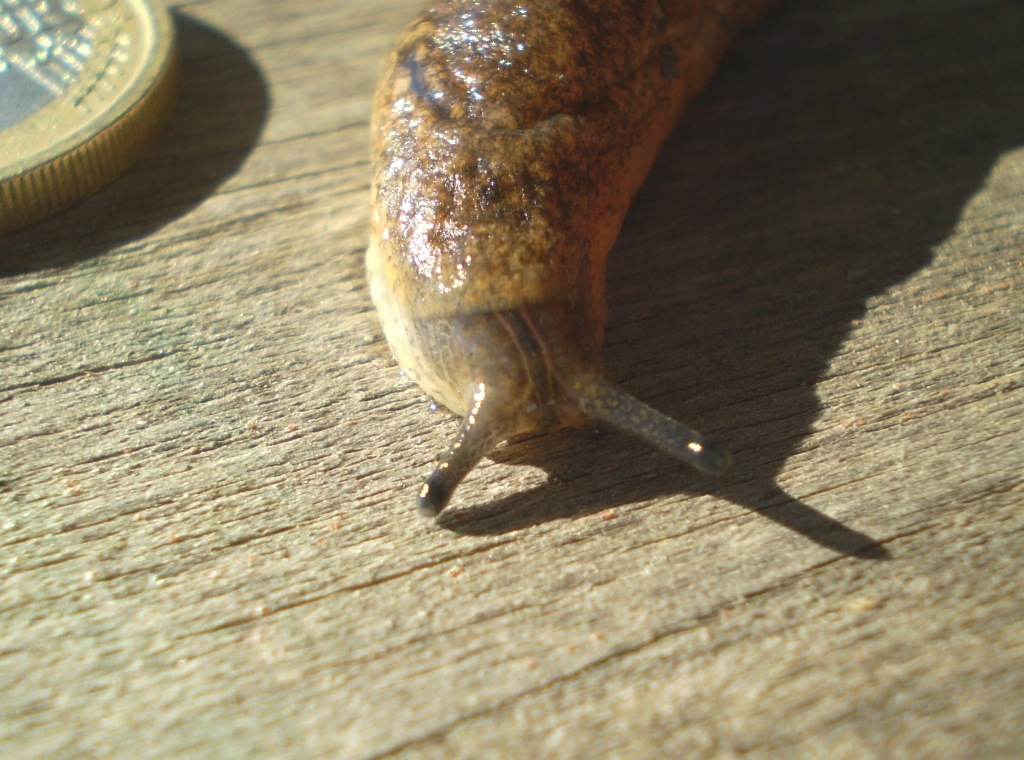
column 600, row 401
column 488, row 422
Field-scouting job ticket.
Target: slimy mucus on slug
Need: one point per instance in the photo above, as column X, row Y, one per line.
column 509, row 138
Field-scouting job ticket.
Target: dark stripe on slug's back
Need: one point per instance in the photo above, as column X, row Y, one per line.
column 418, row 80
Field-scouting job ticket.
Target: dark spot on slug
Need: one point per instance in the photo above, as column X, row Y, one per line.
column 417, row 77
column 669, row 62
column 491, row 193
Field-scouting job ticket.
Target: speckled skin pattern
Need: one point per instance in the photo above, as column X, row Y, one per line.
column 508, row 140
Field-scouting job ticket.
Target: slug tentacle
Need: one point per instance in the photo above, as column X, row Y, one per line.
column 599, row 401
column 535, row 369
column 488, row 422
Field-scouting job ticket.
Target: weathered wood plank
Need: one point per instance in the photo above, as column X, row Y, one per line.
column 207, row 541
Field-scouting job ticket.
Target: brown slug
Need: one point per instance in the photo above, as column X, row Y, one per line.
column 509, row 138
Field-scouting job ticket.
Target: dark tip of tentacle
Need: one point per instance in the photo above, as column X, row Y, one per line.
column 710, row 456
column 434, row 494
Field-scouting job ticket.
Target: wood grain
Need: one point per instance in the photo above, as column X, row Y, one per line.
column 207, row 461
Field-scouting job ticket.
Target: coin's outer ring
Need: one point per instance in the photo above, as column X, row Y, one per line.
column 106, row 136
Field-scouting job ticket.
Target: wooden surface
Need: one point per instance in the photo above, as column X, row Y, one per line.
column 208, row 544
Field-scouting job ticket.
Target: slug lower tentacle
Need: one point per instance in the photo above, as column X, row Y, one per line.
column 509, row 138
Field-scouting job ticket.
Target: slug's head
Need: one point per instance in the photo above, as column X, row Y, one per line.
column 527, row 370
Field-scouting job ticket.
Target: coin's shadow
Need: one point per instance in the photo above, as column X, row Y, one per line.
column 221, row 110
column 820, row 169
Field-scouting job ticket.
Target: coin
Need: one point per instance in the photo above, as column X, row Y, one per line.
column 85, row 87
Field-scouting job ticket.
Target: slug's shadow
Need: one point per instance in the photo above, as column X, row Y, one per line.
column 222, row 106
column 820, row 168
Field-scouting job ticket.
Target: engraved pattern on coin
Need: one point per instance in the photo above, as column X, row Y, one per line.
column 44, row 46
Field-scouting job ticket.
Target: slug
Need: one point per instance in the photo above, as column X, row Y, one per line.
column 508, row 138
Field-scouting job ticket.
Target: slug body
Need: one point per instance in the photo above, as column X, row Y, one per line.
column 509, row 138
